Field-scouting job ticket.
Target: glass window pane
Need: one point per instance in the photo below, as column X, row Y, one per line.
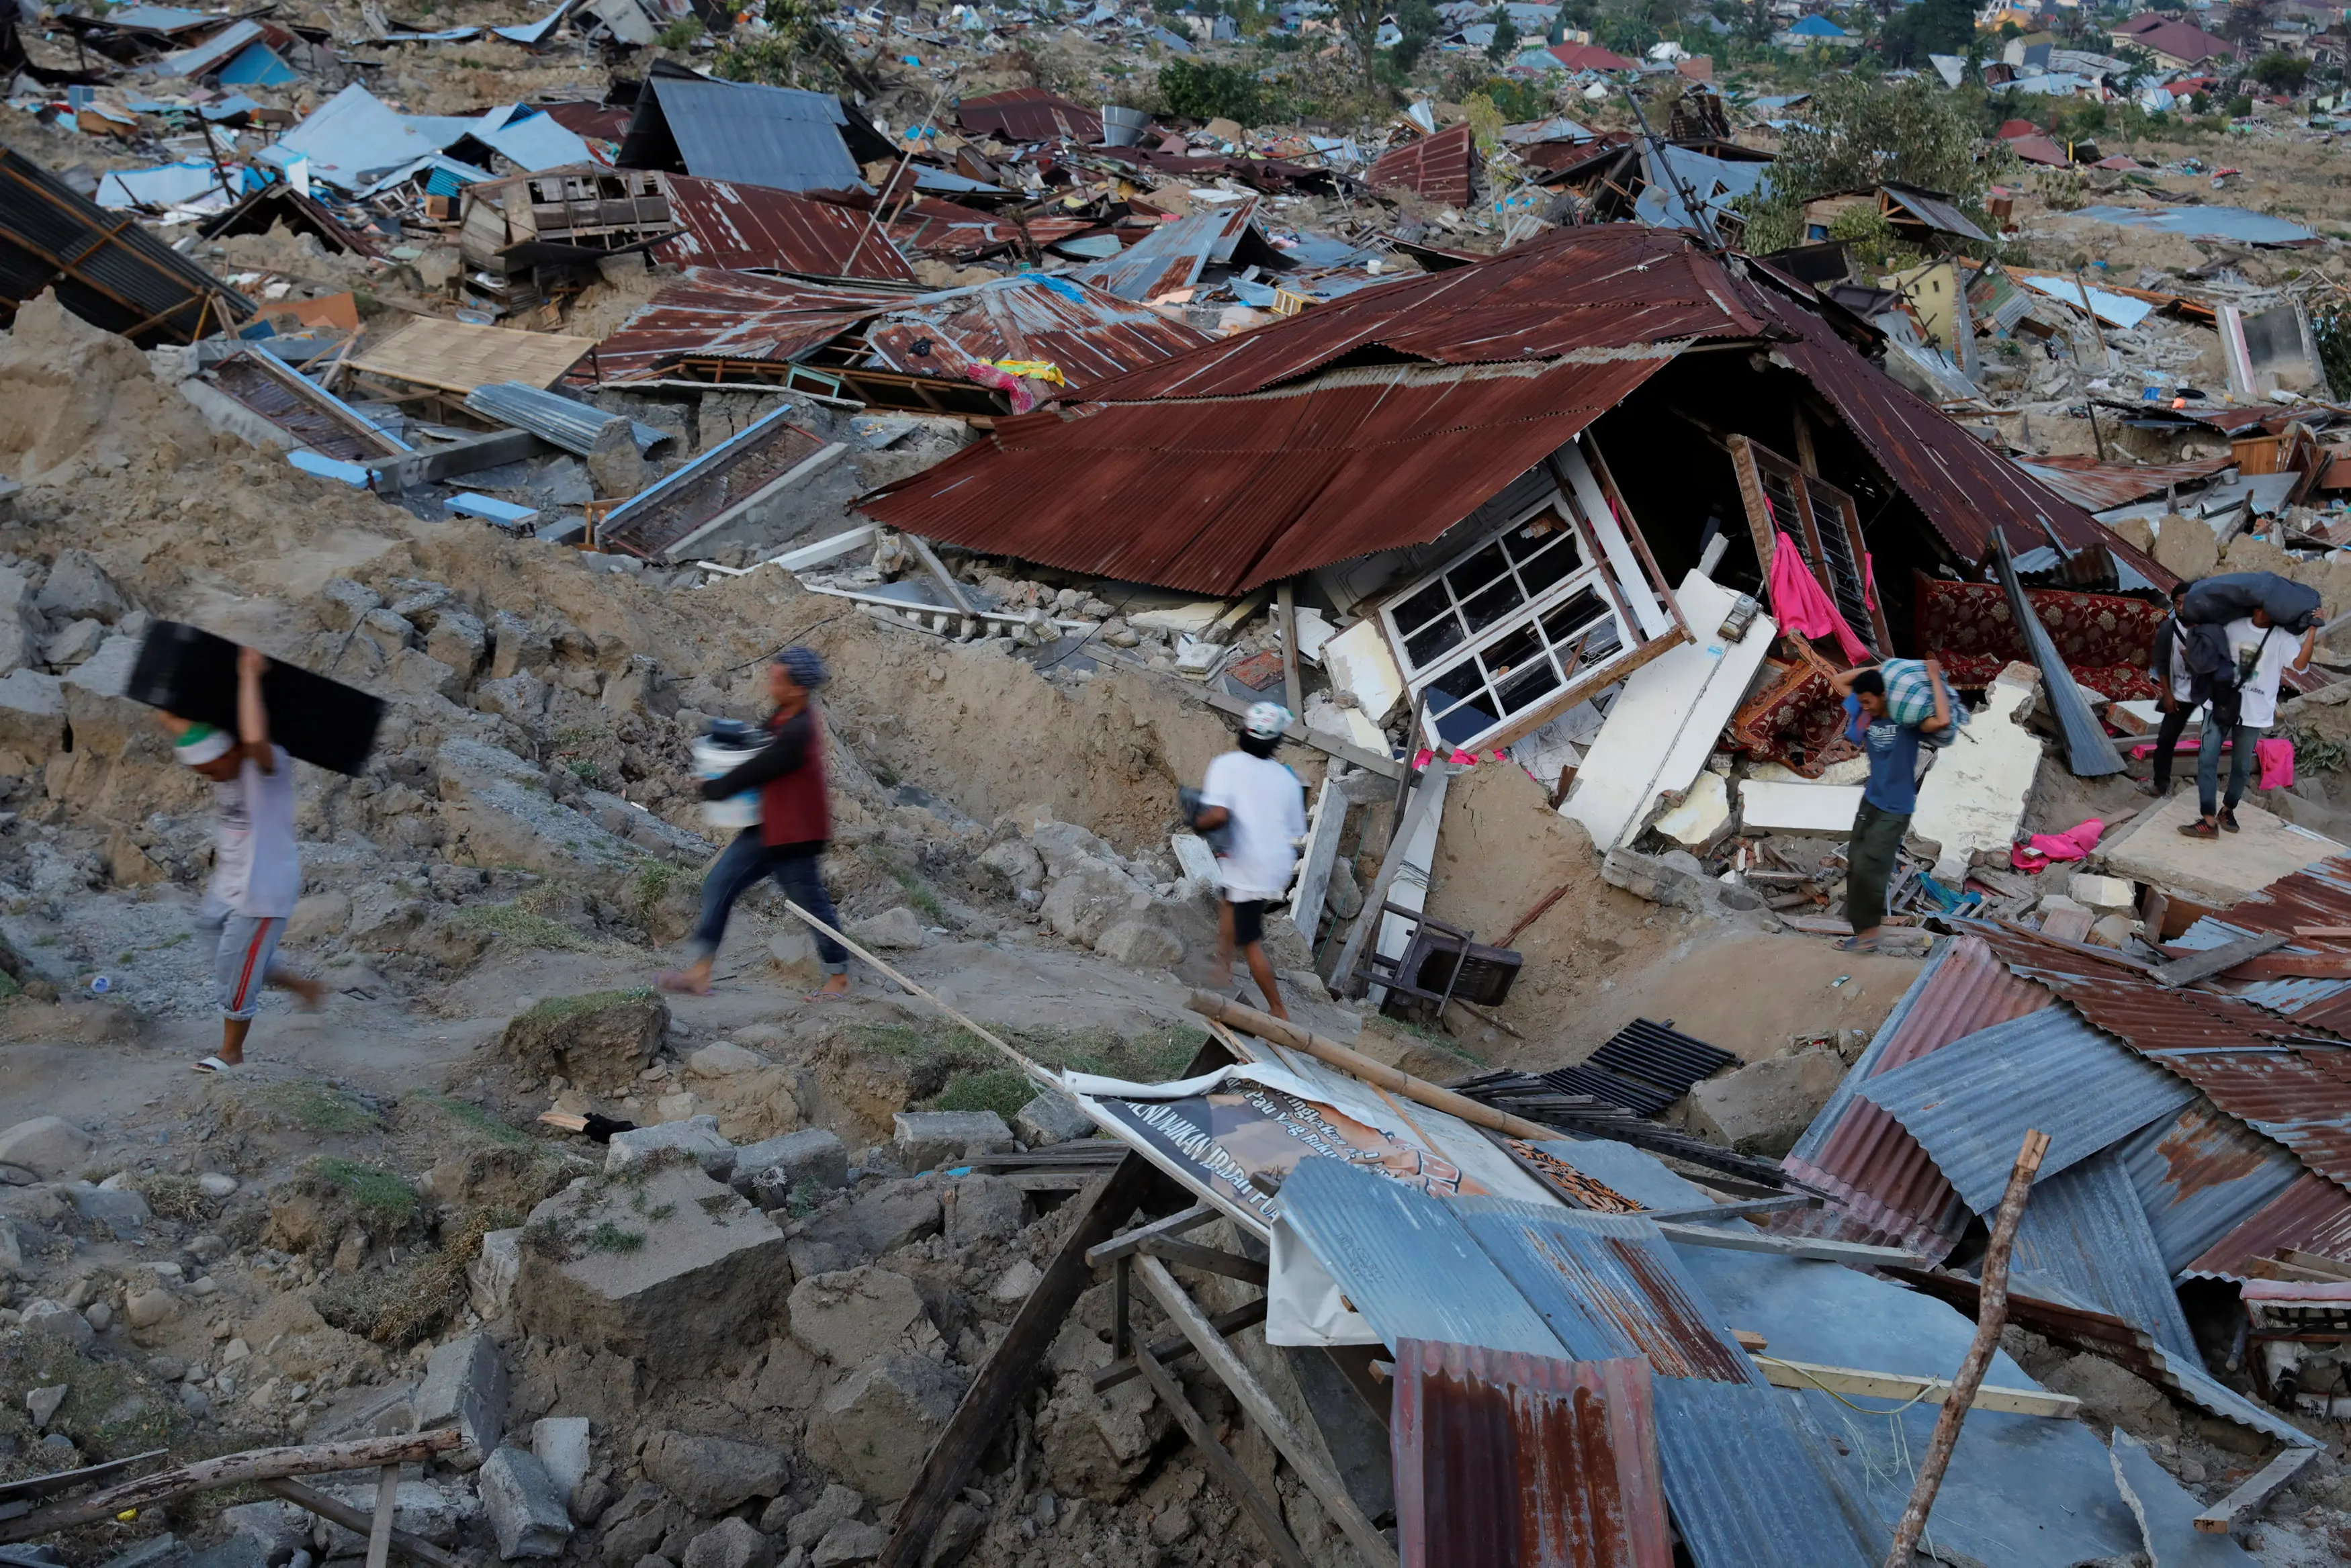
column 1492, row 605
column 1464, row 680
column 1479, row 571
column 1566, row 622
column 1528, row 685
column 1422, row 608
column 1425, row 646
column 1551, row 565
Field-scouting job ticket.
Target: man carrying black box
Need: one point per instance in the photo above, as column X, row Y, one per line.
column 257, row 868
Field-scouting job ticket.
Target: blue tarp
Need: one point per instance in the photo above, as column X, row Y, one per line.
column 258, row 66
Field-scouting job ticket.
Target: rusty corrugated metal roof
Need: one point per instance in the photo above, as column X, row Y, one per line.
column 1505, row 1458
column 1860, row 1154
column 1243, row 491
column 1088, row 334
column 937, row 227
column 1436, row 168
column 1574, row 291
column 731, row 224
column 1029, row 114
column 713, row 314
column 2098, row 486
column 2201, row 1175
column 2313, row 1215
column 2319, row 894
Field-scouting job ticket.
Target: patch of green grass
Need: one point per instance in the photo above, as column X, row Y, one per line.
column 999, row 1089
column 653, row 882
column 478, row 1119
column 919, row 893
column 556, row 1009
column 1149, row 1057
column 406, row 1302
column 920, row 1042
column 521, row 925
column 585, row 771
column 315, row 1107
column 608, row 1236
column 380, row 1195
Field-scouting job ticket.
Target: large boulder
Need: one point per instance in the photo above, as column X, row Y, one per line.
column 1764, row 1107
column 1090, row 900
column 78, row 589
column 675, row 1273
column 464, row 1386
column 600, row 1041
column 714, row 1474
column 527, row 1511
column 853, row 1315
column 49, row 1146
column 875, row 1429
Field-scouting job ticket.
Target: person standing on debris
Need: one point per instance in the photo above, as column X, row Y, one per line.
column 795, row 821
column 256, row 869
column 2258, row 654
column 1890, row 798
column 2168, row 665
column 1264, row 806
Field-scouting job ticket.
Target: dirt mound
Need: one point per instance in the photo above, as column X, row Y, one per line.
column 72, row 393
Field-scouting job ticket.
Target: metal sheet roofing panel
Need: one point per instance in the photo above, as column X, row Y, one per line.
column 1504, row 1459
column 1854, row 1151
column 711, row 314
column 1747, row 1483
column 778, row 137
column 2319, row 894
column 1608, row 1285
column 2202, row 1174
column 1172, row 255
column 2098, row 486
column 2310, row 1214
column 1244, row 491
column 353, row 137
column 728, row 223
column 209, row 56
column 1436, row 168
column 1408, row 1263
column 2085, row 1233
column 1936, row 211
column 110, row 272
column 1086, row 332
column 2204, row 224
column 535, row 141
column 1574, row 291
column 675, row 509
column 1971, row 1103
column 555, row 419
column 1029, row 114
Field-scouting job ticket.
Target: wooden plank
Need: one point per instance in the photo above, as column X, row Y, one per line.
column 1782, row 1374
column 1318, row 1479
column 1427, row 801
column 1207, row 1260
column 387, row 1497
column 1750, row 496
column 230, row 1469
column 2242, row 1505
column 1717, row 1211
column 1131, row 1242
column 1314, row 866
column 1298, row 735
column 1812, row 1247
column 65, row 1480
column 2218, row 960
column 2316, row 1262
column 830, row 548
column 2338, row 932
column 1230, row 1475
column 337, row 1511
column 1285, row 604
column 1176, row 1347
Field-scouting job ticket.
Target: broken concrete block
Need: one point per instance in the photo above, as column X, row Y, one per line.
column 1798, row 807
column 1140, row 944
column 77, row 586
column 600, row 1041
column 1051, row 1117
column 490, row 1277
column 960, row 1527
column 1702, row 818
column 464, row 1386
column 49, row 1146
column 925, row 1141
column 525, row 1509
column 731, row 1543
column 1017, row 863
column 982, row 1208
column 2218, row 873
column 431, row 1512
column 615, row 1277
column 278, row 1528
column 2111, row 931
column 847, row 1542
column 1093, row 896
column 712, row 1475
column 876, row 1426
column 697, row 1137
column 769, row 1171
column 898, row 929
column 853, row 1315
column 2102, row 894
column 814, row 1522
column 1763, row 1107
column 893, row 1214
column 1974, row 798
column 559, row 1443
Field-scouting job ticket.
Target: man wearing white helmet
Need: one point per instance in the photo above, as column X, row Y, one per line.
column 1263, row 806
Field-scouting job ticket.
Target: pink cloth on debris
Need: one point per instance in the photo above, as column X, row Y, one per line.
column 2276, row 756
column 2047, row 848
column 1801, row 606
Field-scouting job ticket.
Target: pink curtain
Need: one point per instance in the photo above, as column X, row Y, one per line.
column 1801, row 606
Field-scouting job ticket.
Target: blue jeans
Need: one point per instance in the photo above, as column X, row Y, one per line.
column 738, row 869
column 2241, row 763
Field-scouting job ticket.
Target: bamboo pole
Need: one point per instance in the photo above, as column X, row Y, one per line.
column 1991, row 1313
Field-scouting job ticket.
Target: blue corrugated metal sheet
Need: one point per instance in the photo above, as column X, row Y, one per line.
column 534, row 141
column 778, row 137
column 257, row 65
column 1816, row 1136
column 1405, row 1261
column 353, row 137
column 208, row 55
column 1971, row 1103
column 2204, row 224
column 1748, row 1483
column 1609, row 1286
column 2201, row 1175
column 1171, row 255
column 553, row 418
column 2084, row 1240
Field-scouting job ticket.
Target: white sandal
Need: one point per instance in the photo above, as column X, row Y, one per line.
column 214, row 1064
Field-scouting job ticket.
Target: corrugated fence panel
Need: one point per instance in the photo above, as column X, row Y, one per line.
column 1745, row 1482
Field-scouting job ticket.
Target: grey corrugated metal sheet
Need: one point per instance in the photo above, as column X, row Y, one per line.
column 1505, row 1458
column 553, row 418
column 1971, row 1103
column 2085, row 1237
column 778, row 137
column 1171, row 255
column 1936, row 211
column 110, row 272
column 2311, row 1214
column 1747, row 1483
column 1406, row 1263
column 209, row 56
column 1608, row 1285
column 2202, row 1174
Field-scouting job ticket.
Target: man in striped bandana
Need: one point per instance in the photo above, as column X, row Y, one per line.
column 256, row 869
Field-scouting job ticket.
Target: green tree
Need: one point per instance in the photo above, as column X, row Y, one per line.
column 1506, row 34
column 1418, row 22
column 1927, row 28
column 1359, row 24
column 2282, row 72
column 1863, row 129
column 1206, row 90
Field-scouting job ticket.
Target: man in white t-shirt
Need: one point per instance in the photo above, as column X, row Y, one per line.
column 2263, row 653
column 256, row 870
column 1264, row 806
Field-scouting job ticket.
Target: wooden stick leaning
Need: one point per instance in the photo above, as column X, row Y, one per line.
column 1991, row 1314
column 1282, row 1032
column 230, row 1469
